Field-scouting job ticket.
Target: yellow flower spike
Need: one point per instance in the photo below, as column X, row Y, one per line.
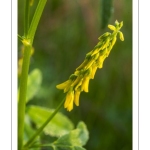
column 85, row 84
column 64, row 85
column 76, row 97
column 69, row 100
column 79, row 81
column 94, row 68
column 111, row 27
column 121, row 36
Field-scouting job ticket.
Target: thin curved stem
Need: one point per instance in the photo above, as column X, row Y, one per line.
column 31, row 140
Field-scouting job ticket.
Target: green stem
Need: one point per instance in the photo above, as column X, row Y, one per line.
column 31, row 140
column 22, row 94
column 35, row 20
column 26, row 18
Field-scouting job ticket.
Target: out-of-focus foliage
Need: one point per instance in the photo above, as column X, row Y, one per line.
column 59, row 125
column 106, row 12
column 66, row 32
column 34, row 83
column 74, row 140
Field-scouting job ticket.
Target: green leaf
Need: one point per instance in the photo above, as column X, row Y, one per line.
column 73, row 140
column 58, row 126
column 34, row 83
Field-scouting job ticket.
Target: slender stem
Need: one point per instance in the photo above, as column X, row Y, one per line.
column 26, row 18
column 22, row 94
column 31, row 140
column 35, row 20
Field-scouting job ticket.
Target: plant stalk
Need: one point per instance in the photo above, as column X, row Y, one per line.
column 26, row 17
column 22, row 94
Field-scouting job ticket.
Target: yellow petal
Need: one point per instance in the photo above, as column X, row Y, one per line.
column 94, row 68
column 85, row 84
column 121, row 24
column 89, row 64
column 113, row 41
column 79, row 84
column 69, row 100
column 116, row 23
column 70, row 107
column 77, row 80
column 100, row 61
column 76, row 97
column 64, row 85
column 111, row 27
column 121, row 36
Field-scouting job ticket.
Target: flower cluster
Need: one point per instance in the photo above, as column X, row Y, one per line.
column 79, row 80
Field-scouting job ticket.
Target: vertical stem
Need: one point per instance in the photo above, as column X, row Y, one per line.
column 36, row 19
column 22, row 94
column 26, row 18
column 29, row 35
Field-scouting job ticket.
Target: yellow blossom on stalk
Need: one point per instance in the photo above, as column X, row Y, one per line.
column 69, row 100
column 79, row 81
column 76, row 97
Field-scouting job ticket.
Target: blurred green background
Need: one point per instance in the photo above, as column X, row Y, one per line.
column 68, row 29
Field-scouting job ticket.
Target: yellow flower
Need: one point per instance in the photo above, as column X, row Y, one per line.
column 79, row 84
column 69, row 100
column 111, row 27
column 101, row 60
column 85, row 84
column 64, row 86
column 89, row 64
column 94, row 68
column 121, row 36
column 77, row 80
column 76, row 97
